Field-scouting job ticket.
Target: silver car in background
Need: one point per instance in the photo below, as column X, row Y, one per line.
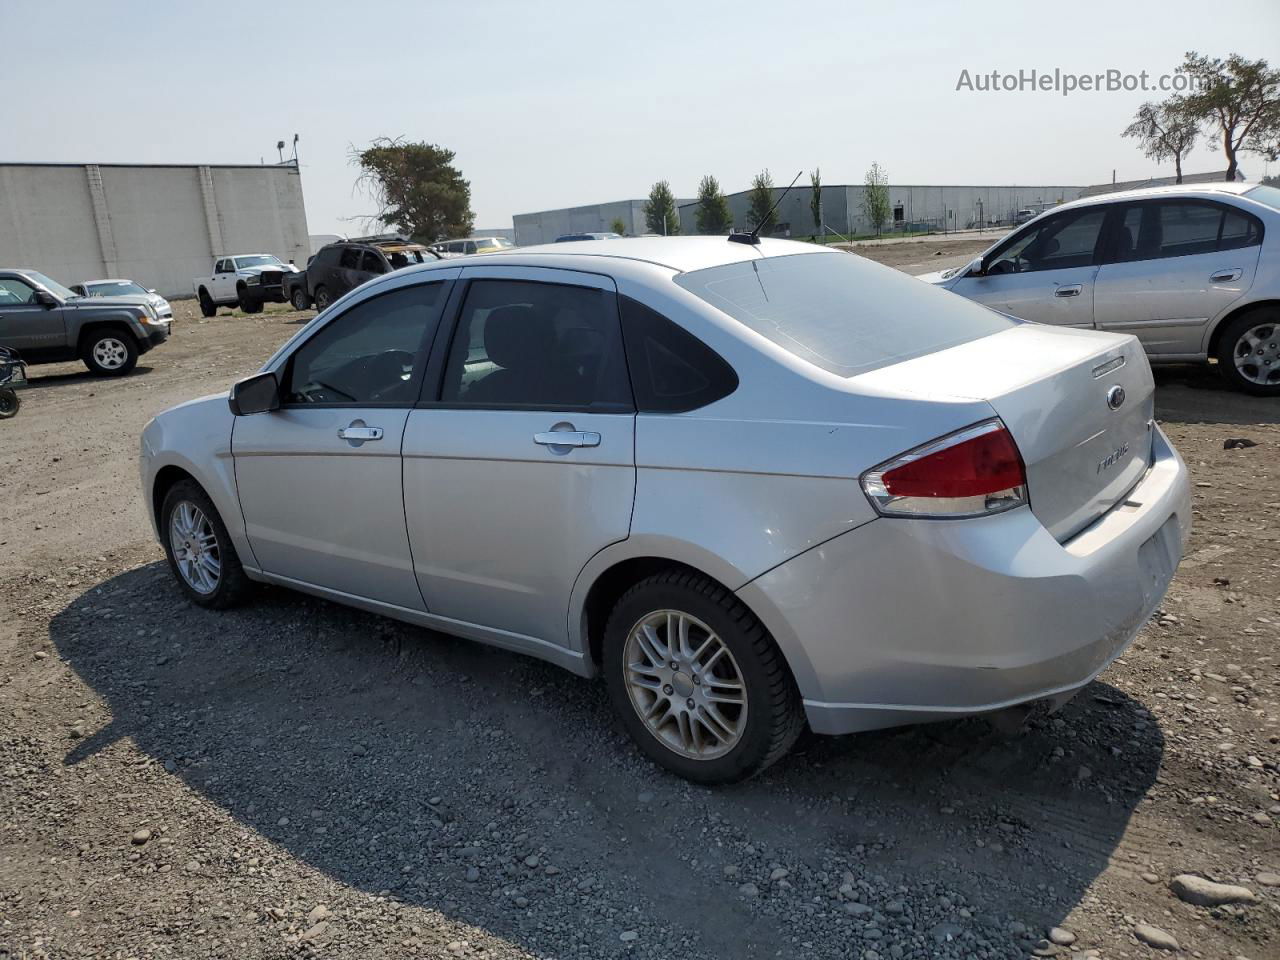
column 753, row 484
column 124, row 288
column 1192, row 271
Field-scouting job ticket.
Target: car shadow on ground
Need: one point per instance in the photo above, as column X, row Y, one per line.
column 397, row 759
column 38, row 381
column 1197, row 393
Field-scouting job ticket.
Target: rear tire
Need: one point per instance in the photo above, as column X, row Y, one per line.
column 207, row 307
column 9, row 403
column 250, row 306
column 322, row 298
column 1249, row 352
column 721, row 715
column 199, row 549
column 109, row 352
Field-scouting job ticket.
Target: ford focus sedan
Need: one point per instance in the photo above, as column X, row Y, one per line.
column 751, row 485
column 1192, row 271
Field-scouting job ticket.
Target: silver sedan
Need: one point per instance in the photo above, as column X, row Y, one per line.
column 754, row 485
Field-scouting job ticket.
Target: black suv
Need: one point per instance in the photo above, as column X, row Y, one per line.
column 344, row 265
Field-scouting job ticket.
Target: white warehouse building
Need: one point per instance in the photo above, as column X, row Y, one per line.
column 158, row 224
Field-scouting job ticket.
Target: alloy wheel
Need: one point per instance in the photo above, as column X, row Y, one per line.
column 1257, row 354
column 685, row 684
column 195, row 547
column 110, row 353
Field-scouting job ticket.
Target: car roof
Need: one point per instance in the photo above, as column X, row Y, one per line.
column 1201, row 190
column 676, row 253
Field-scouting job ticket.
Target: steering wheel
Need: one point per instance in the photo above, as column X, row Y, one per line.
column 387, row 370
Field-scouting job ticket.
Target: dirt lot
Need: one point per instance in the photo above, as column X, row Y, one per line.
column 298, row 779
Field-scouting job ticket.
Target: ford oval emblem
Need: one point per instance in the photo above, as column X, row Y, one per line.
column 1115, row 397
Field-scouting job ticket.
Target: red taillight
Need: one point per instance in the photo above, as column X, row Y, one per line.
column 973, row 472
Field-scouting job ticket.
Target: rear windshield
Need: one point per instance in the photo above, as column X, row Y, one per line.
column 840, row 312
column 1265, row 194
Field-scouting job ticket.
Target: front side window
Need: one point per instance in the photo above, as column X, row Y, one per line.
column 537, row 345
column 469, row 247
column 1182, row 228
column 15, row 291
column 350, row 259
column 371, row 354
column 1058, row 243
column 821, row 308
column 372, row 263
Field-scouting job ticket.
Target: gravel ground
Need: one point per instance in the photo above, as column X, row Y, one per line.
column 297, row 779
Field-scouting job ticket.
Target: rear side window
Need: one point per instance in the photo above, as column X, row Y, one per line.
column 672, row 371
column 521, row 344
column 1183, row 228
column 373, row 353
column 840, row 312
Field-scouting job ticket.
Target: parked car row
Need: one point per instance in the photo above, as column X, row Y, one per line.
column 48, row 323
column 1193, row 272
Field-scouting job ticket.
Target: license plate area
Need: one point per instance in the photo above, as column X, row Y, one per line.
column 1157, row 559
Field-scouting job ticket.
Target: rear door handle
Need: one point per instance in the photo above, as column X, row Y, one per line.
column 354, row 432
column 1226, row 276
column 1071, row 290
column 567, row 438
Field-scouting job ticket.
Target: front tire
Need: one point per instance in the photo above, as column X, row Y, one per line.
column 199, row 549
column 207, row 307
column 299, row 299
column 1249, row 352
column 110, row 352
column 9, row 403
column 697, row 681
column 322, row 298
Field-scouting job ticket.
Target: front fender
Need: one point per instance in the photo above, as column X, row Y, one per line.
column 195, row 437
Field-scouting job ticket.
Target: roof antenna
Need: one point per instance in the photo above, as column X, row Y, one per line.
column 753, row 238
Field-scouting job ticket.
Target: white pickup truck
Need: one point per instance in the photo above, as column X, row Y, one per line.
column 245, row 280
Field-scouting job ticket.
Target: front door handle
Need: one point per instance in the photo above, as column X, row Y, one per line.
column 1070, row 290
column 567, row 438
column 360, row 433
column 1226, row 276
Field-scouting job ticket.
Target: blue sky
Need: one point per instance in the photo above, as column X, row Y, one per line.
column 551, row 104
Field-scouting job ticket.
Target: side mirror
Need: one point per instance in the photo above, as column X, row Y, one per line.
column 46, row 299
column 978, row 268
column 151, row 291
column 257, row 394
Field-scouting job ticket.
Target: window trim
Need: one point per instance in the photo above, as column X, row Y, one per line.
column 283, row 367
column 632, row 374
column 1122, row 210
column 433, row 379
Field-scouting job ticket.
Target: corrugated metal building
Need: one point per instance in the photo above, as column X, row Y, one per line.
column 158, row 224
column 545, row 226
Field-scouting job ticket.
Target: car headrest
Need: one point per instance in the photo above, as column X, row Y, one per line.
column 518, row 334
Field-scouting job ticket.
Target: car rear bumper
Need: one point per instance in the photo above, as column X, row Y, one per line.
column 902, row 621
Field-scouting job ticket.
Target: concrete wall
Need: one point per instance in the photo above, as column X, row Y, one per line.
column 957, row 207
column 158, row 225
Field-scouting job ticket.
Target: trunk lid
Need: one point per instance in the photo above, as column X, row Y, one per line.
column 1078, row 403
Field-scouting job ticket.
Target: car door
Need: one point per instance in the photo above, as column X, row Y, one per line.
column 224, row 279
column 319, row 479
column 347, row 275
column 26, row 324
column 1045, row 272
column 1175, row 264
column 519, row 464
column 371, row 265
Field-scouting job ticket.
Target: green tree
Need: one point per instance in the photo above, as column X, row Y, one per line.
column 1164, row 132
column 618, row 226
column 875, row 197
column 416, row 187
column 1238, row 100
column 712, row 214
column 815, row 200
column 660, row 214
column 760, row 212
